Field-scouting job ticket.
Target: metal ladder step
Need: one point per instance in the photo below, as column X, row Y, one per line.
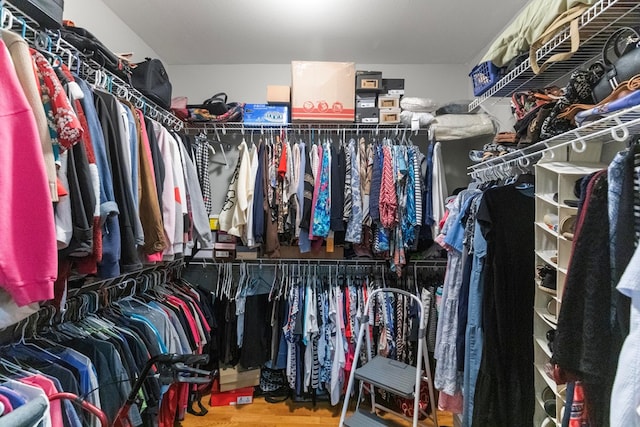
column 364, row 419
column 395, row 377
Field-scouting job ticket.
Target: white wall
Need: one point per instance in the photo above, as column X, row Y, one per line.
column 248, row 83
column 96, row 17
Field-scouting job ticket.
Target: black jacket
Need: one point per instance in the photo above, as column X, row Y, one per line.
column 583, row 340
column 107, row 109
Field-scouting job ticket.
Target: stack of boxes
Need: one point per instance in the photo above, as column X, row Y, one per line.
column 329, row 91
column 224, row 248
column 377, row 99
column 368, row 85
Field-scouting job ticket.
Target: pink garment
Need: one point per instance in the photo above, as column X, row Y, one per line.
column 28, row 254
column 190, row 320
column 49, row 388
column 450, row 403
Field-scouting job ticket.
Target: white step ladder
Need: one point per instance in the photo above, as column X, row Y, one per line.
column 393, row 376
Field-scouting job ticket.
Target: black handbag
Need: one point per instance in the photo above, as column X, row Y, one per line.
column 152, row 80
column 93, row 48
column 215, row 105
column 626, row 64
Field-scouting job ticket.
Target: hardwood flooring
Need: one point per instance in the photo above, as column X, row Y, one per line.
column 286, row 414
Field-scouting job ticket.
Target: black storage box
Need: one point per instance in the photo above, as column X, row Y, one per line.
column 47, row 13
column 393, row 86
column 367, row 115
column 368, row 81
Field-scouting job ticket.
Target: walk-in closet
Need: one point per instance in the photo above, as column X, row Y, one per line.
column 319, row 213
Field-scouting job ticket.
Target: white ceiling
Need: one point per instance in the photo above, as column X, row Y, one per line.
column 190, row 32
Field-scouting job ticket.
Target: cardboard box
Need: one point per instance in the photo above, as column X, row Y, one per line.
column 278, row 95
column 390, row 116
column 366, row 100
column 388, row 101
column 265, row 115
column 224, row 246
column 393, row 86
column 241, row 396
column 223, row 237
column 233, row 378
column 224, row 256
column 367, row 81
column 245, row 253
column 322, row 91
column 367, row 115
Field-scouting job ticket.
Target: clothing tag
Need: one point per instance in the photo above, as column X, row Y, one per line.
column 638, row 410
column 415, row 123
column 134, row 416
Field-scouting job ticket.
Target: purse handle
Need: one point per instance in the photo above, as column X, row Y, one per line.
column 615, row 38
column 221, row 97
column 571, row 17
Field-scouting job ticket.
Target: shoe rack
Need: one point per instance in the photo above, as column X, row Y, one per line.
column 556, row 212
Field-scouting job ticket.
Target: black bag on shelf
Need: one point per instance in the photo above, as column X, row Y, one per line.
column 93, row 48
column 216, row 105
column 626, row 63
column 47, row 13
column 152, row 80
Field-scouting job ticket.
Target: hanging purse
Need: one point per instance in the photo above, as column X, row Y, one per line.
column 626, row 63
column 571, row 17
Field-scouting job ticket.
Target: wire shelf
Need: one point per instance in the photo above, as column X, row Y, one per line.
column 12, row 18
column 596, row 25
column 614, row 127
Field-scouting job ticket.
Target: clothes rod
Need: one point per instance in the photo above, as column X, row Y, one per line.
column 119, row 280
column 319, row 127
column 436, row 263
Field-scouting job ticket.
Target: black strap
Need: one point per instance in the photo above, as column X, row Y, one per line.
column 218, row 97
column 615, row 39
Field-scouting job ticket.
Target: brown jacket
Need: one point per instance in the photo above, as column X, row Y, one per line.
column 150, row 215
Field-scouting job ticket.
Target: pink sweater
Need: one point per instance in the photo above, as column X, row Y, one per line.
column 28, row 255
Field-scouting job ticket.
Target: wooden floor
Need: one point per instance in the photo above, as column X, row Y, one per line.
column 287, row 414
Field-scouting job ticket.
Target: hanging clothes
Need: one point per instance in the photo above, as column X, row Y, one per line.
column 584, row 327
column 504, row 388
column 28, row 270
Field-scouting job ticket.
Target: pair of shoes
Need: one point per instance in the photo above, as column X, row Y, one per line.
column 549, row 399
column 547, row 275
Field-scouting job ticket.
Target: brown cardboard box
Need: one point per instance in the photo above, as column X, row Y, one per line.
column 278, row 94
column 390, row 116
column 389, row 101
column 322, row 91
column 232, row 378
